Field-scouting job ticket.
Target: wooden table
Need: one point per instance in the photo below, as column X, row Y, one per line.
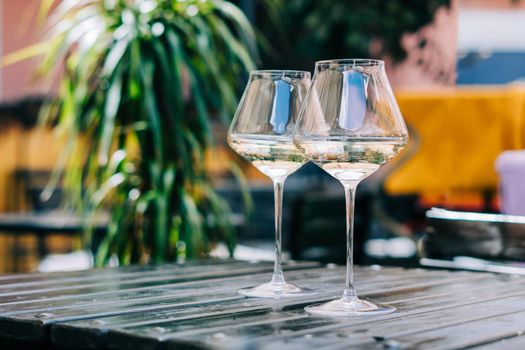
column 196, row 306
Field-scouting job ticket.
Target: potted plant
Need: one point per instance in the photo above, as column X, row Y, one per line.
column 139, row 80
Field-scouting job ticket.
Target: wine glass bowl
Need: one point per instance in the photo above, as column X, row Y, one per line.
column 262, row 129
column 350, row 125
column 262, row 133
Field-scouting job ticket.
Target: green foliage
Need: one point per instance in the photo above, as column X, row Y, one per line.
column 312, row 30
column 141, row 80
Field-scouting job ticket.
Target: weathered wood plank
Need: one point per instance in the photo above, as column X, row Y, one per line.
column 468, row 335
column 429, row 300
column 513, row 343
column 197, row 307
column 172, row 290
column 165, row 320
column 332, row 282
column 140, row 278
column 31, row 319
column 141, row 282
column 115, row 275
column 249, row 305
column 387, row 332
column 39, row 276
column 160, row 292
column 333, row 330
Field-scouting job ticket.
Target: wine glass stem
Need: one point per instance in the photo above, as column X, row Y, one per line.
column 278, row 276
column 349, row 293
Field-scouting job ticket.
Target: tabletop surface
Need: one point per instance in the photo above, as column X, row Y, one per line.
column 196, row 306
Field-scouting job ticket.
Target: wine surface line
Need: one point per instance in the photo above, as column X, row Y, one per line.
column 274, row 156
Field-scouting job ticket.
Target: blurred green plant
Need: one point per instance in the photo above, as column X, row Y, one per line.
column 305, row 31
column 141, row 79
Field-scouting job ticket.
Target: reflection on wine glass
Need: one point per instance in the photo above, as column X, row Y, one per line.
column 350, row 125
column 262, row 132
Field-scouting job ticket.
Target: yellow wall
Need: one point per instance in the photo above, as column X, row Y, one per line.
column 35, row 149
column 38, row 149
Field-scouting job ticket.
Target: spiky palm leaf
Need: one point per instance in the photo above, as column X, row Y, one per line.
column 141, row 78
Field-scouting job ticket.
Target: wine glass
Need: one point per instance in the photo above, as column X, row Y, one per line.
column 262, row 133
column 349, row 126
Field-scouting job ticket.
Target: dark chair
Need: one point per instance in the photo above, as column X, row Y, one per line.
column 37, row 216
column 319, row 227
column 318, row 230
column 30, row 184
column 375, row 185
column 489, row 236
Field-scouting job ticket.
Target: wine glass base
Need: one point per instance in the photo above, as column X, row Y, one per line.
column 276, row 291
column 343, row 307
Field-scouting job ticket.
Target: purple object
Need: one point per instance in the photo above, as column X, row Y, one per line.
column 511, row 168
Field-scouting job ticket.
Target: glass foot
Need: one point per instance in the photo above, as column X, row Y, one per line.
column 276, row 291
column 344, row 307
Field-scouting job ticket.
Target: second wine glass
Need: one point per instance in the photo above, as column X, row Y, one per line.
column 262, row 133
column 349, row 126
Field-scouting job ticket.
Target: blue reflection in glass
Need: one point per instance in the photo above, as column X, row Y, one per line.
column 281, row 106
column 353, row 102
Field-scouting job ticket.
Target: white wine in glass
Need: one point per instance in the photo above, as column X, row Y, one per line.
column 262, row 133
column 275, row 156
column 349, row 126
column 350, row 160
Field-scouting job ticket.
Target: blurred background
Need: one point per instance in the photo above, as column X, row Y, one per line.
column 456, row 68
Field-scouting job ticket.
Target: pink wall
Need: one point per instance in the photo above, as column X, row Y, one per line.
column 19, row 28
column 433, row 65
column 488, row 4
